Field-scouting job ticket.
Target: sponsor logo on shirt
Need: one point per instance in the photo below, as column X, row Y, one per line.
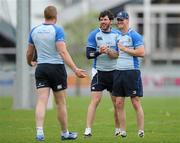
column 99, row 38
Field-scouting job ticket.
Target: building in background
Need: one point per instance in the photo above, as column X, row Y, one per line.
column 164, row 23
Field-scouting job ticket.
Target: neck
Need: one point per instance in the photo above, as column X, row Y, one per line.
column 107, row 30
column 52, row 21
column 124, row 30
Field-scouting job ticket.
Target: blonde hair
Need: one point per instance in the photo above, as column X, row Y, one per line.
column 50, row 12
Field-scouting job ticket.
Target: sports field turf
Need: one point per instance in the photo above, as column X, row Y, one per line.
column 162, row 122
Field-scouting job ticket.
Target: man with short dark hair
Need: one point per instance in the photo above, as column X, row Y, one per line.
column 101, row 46
column 49, row 42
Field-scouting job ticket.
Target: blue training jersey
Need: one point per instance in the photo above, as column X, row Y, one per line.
column 44, row 38
column 97, row 38
column 132, row 40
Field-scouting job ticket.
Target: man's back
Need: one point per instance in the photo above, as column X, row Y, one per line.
column 44, row 38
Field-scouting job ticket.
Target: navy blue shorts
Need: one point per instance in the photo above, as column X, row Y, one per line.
column 102, row 80
column 51, row 75
column 127, row 83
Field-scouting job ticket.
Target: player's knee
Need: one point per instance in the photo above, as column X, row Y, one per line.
column 119, row 103
column 135, row 102
column 136, row 105
column 96, row 101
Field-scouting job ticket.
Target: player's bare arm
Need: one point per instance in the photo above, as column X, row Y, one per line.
column 30, row 54
column 62, row 50
column 138, row 52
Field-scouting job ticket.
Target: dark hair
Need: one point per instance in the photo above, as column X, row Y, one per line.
column 50, row 12
column 106, row 13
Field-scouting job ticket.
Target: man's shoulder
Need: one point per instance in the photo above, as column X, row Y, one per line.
column 133, row 32
column 57, row 27
column 35, row 27
column 95, row 31
column 114, row 30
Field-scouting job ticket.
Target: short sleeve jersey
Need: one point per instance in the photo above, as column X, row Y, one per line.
column 97, row 38
column 132, row 40
column 44, row 38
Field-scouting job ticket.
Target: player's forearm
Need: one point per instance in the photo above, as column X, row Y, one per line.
column 68, row 60
column 91, row 53
column 29, row 54
column 63, row 52
column 29, row 57
column 139, row 52
column 34, row 59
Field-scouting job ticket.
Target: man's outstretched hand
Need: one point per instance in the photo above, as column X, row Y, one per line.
column 80, row 73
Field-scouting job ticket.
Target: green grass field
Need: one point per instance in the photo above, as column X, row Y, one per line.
column 162, row 122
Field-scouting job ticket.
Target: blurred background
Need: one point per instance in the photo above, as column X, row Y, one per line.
column 157, row 20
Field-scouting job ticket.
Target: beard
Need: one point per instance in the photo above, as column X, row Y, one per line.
column 104, row 27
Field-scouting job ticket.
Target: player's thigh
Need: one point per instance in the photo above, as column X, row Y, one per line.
column 96, row 96
column 113, row 99
column 118, row 84
column 41, row 77
column 96, row 84
column 132, row 83
column 43, row 95
column 60, row 97
column 58, row 77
